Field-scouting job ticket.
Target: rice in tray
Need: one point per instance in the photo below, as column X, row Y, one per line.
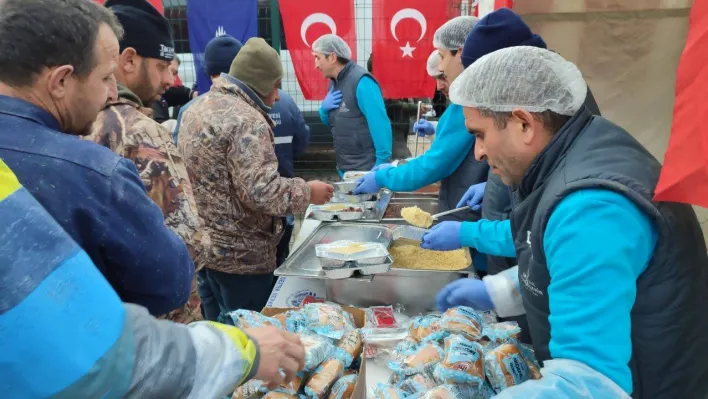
column 407, row 255
column 417, row 217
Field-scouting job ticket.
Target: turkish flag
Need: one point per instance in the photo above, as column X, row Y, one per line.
column 303, row 23
column 403, row 40
column 684, row 176
column 155, row 3
column 484, row 7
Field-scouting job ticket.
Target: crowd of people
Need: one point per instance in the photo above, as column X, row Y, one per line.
column 126, row 241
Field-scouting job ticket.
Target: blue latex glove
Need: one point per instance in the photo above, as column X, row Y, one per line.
column 424, row 128
column 443, row 237
column 382, row 166
column 465, row 292
column 367, row 184
column 332, row 101
column 473, row 197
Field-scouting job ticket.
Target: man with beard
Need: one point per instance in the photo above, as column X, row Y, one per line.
column 48, row 97
column 143, row 72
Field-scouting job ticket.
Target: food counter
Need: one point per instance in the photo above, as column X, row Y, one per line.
column 406, row 283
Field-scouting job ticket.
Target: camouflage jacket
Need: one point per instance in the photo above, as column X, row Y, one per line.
column 124, row 127
column 227, row 140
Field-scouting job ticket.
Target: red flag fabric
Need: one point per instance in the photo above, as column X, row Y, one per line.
column 484, row 7
column 684, row 176
column 303, row 23
column 403, row 39
column 155, row 3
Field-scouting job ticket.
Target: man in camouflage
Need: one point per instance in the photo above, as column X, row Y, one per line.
column 227, row 140
column 125, row 127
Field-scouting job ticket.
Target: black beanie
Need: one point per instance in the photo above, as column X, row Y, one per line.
column 146, row 30
column 497, row 30
column 220, row 53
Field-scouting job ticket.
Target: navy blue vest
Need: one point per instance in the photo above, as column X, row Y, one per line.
column 669, row 320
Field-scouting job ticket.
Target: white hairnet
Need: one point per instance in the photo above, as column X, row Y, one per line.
column 332, row 44
column 433, row 62
column 452, row 34
column 529, row 78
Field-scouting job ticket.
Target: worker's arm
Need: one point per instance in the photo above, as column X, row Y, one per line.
column 492, row 237
column 370, row 102
column 449, row 149
column 146, row 262
column 254, row 174
column 593, row 238
column 324, row 116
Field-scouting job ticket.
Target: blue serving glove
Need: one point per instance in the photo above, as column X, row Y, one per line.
column 465, row 292
column 382, row 166
column 473, row 197
column 443, row 237
column 424, row 128
column 332, row 101
column 367, row 184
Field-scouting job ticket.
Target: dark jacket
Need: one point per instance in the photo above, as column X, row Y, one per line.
column 668, row 323
column 292, row 135
column 99, row 199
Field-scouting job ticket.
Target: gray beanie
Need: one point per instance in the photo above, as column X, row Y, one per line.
column 258, row 66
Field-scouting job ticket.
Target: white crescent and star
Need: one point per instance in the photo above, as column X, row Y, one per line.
column 409, row 13
column 317, row 18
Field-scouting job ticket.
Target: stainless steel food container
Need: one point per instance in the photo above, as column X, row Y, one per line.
column 353, row 175
column 414, row 289
column 322, row 213
column 344, row 187
column 374, row 254
column 408, row 232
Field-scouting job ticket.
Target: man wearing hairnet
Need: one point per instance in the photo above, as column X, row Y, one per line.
column 497, row 30
column 353, row 109
column 612, row 283
column 450, row 158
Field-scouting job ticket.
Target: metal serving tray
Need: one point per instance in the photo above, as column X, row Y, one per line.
column 373, row 210
column 304, row 261
column 427, row 203
column 324, row 214
column 349, row 269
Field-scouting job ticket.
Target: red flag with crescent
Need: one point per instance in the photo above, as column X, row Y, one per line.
column 403, row 40
column 303, row 23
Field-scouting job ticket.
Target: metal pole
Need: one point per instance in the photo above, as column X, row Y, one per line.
column 275, row 25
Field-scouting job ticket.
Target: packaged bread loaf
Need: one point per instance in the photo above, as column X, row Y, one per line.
column 317, row 349
column 344, row 387
column 502, row 332
column 327, row 319
column 280, row 395
column 426, row 328
column 462, row 320
column 422, row 359
column 349, row 347
column 506, row 367
column 323, row 378
column 463, row 362
column 251, row 390
column 385, row 391
column 250, row 319
column 418, row 383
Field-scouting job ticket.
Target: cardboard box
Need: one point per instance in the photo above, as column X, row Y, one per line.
column 291, row 292
column 359, row 321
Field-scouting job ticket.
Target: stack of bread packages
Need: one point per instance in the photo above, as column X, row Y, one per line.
column 458, row 355
column 333, row 348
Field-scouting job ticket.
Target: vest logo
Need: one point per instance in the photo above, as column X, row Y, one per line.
column 275, row 117
column 528, row 237
column 220, row 31
column 530, row 286
column 343, row 107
